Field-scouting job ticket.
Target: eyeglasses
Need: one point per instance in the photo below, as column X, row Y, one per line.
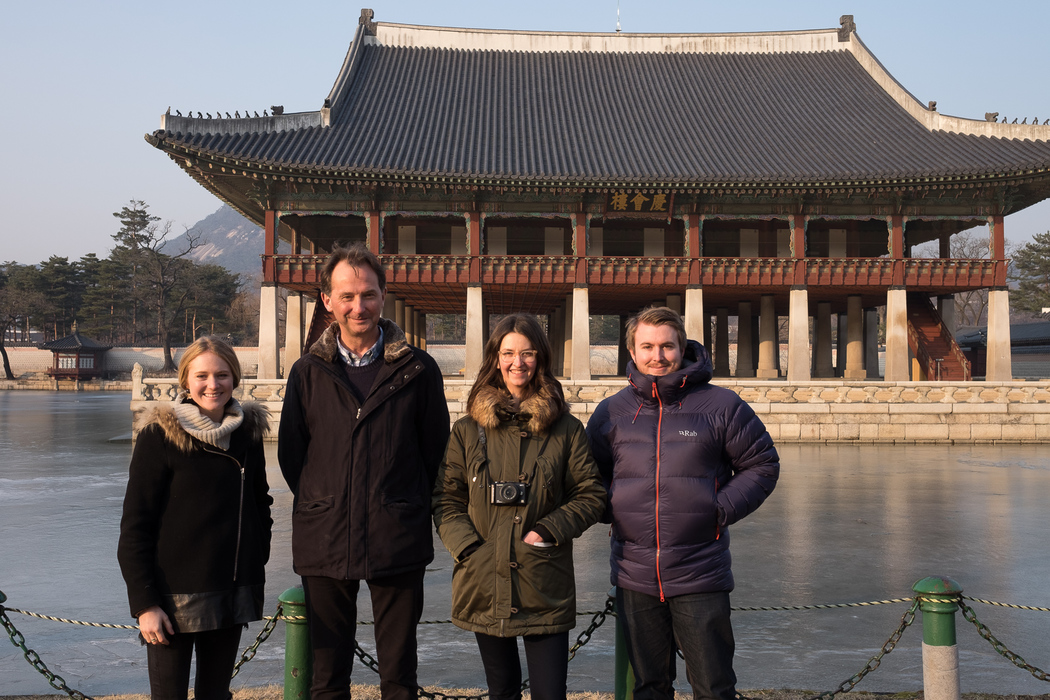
column 508, row 356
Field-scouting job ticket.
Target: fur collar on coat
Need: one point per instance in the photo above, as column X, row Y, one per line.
column 540, row 410
column 256, row 422
column 395, row 345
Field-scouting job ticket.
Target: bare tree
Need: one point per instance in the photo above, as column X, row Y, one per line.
column 971, row 306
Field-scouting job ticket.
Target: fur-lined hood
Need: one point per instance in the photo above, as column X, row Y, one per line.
column 395, row 345
column 256, row 422
column 492, row 406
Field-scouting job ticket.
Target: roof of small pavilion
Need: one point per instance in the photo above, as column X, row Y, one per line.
column 670, row 110
column 76, row 341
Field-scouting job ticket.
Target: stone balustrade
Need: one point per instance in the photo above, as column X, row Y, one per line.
column 817, row 411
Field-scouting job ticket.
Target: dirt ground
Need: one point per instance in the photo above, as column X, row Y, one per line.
column 371, row 692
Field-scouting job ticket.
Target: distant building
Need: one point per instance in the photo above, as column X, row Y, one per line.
column 1029, row 349
column 566, row 174
column 76, row 357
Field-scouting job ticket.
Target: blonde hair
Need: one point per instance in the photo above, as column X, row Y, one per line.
column 215, row 345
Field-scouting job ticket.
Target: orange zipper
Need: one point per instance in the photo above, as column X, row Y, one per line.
column 659, row 437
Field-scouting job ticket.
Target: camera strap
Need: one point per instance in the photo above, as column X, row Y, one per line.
column 483, row 441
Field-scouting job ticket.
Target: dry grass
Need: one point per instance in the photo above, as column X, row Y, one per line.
column 371, row 692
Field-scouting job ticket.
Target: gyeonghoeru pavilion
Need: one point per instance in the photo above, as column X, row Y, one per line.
column 563, row 174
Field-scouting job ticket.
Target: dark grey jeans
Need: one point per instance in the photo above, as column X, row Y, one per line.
column 698, row 624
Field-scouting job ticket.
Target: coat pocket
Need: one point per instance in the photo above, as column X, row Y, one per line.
column 313, row 524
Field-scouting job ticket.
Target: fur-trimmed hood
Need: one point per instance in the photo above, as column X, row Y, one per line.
column 395, row 345
column 256, row 422
column 541, row 410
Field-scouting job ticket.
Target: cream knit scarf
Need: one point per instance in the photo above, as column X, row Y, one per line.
column 205, row 429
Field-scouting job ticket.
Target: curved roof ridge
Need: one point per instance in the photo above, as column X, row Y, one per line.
column 392, row 34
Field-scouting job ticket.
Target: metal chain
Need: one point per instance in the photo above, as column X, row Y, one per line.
column 56, row 681
column 596, row 621
column 1016, row 660
column 264, row 634
column 848, row 684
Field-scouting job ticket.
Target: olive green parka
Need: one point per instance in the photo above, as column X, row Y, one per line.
column 500, row 585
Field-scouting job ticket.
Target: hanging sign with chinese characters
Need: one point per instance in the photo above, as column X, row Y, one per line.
column 639, row 201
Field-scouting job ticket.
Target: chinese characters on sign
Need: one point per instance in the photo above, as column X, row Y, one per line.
column 638, row 201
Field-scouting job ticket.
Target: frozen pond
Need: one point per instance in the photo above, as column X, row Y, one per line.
column 846, row 524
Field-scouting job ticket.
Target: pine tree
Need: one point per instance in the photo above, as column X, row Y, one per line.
column 1030, row 269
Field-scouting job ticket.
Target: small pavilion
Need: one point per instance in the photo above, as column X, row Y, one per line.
column 76, row 357
column 762, row 176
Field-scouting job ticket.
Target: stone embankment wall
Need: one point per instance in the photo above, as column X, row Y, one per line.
column 818, row 411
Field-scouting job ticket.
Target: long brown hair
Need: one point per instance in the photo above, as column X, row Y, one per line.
column 490, row 374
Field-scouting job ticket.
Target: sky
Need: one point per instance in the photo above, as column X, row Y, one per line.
column 82, row 83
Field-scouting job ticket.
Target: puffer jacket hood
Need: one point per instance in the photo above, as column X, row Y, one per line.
column 695, row 371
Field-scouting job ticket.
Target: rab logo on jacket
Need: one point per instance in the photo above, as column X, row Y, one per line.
column 687, row 433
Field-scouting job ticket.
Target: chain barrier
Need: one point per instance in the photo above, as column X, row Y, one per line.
column 598, row 618
column 264, row 634
column 983, row 630
column 55, row 681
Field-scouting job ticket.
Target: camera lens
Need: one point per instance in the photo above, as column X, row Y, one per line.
column 509, row 492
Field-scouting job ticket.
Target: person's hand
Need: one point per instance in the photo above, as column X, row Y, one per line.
column 153, row 623
column 533, row 538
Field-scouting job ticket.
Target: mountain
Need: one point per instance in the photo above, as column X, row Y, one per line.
column 229, row 240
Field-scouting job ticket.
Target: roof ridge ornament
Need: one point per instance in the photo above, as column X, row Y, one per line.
column 366, row 20
column 846, row 27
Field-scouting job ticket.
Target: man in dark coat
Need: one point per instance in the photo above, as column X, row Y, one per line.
column 363, row 428
column 683, row 460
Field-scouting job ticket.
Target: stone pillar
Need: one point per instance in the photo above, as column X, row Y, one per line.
column 745, row 366
column 674, row 302
column 999, row 365
column 722, row 342
column 475, row 343
column 293, row 330
column 768, row 344
column 399, row 313
column 421, row 326
column 854, row 367
column 946, row 307
column 409, row 327
column 390, row 307
column 567, row 325
column 897, row 363
column 581, row 335
column 822, row 366
column 798, row 336
column 269, row 353
column 871, row 343
column 694, row 314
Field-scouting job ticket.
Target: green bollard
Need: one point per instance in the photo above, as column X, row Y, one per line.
column 940, row 654
column 298, row 672
column 623, row 678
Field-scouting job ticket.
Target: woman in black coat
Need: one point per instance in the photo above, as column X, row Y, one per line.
column 195, row 533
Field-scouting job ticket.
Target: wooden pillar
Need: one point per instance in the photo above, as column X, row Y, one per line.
column 745, row 367
column 475, row 342
column 769, row 344
column 269, row 353
column 581, row 335
column 999, row 363
column 269, row 245
column 854, row 339
column 897, row 364
column 722, row 342
column 567, row 325
column 557, row 338
column 373, row 236
column 798, row 336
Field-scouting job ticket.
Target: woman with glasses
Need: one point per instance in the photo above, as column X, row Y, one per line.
column 517, row 485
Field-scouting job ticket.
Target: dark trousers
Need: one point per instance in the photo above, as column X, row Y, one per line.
column 331, row 606
column 546, row 654
column 696, row 623
column 169, row 665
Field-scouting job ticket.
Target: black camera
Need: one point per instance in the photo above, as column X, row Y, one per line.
column 509, row 493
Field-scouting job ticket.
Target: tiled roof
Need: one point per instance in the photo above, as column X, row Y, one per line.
column 766, row 108
column 75, row 342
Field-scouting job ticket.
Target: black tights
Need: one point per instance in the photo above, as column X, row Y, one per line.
column 546, row 654
column 169, row 665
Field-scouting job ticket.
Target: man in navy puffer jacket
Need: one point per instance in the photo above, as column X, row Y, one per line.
column 683, row 460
